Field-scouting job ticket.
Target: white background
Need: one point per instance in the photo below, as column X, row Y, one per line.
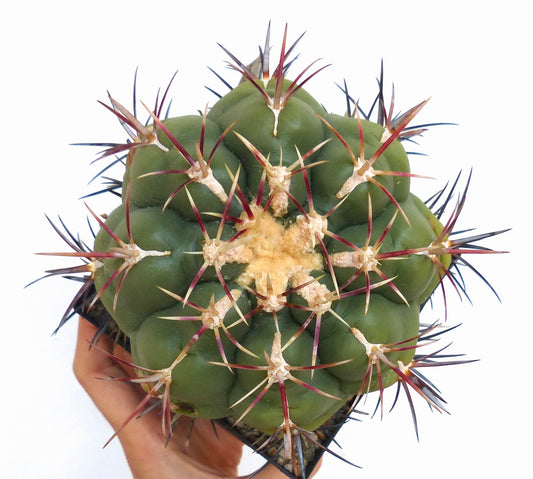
column 472, row 58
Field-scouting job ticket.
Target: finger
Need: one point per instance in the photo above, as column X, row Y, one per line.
column 99, row 374
column 270, row 472
column 210, row 444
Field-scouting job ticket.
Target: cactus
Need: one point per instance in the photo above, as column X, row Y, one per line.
column 268, row 261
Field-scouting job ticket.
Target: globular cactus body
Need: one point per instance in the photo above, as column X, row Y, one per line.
column 268, row 261
column 265, row 257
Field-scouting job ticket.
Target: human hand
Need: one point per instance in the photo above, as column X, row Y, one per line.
column 204, row 454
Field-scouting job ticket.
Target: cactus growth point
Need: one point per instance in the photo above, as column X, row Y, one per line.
column 268, row 261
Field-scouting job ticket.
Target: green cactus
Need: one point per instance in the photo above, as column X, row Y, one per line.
column 268, row 261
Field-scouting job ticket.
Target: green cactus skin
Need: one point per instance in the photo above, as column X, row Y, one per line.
column 276, row 253
column 268, row 261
